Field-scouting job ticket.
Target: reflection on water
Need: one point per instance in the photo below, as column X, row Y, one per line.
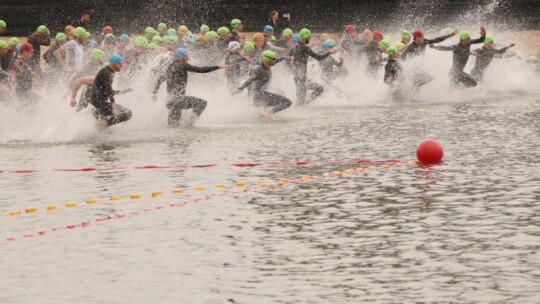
column 464, row 231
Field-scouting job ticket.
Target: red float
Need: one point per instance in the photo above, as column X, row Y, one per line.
column 429, row 152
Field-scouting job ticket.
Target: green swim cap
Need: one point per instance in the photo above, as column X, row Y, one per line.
column 287, row 32
column 268, row 56
column 305, row 33
column 61, row 37
column 87, row 34
column 14, row 41
column 161, row 26
column 488, row 39
column 235, row 22
column 532, row 58
column 447, row 31
column 210, row 35
column 97, row 54
column 152, row 46
column 141, row 41
column 3, row 44
column 273, row 38
column 223, row 30
column 248, row 46
column 204, row 28
column 42, row 29
column 157, row 40
column 383, row 44
column 405, row 34
column 387, row 37
column 150, row 30
column 391, row 50
column 3, row 24
column 167, row 40
column 174, row 39
column 109, row 37
column 464, row 35
column 79, row 31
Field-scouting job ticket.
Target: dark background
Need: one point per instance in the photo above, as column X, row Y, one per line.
column 23, row 16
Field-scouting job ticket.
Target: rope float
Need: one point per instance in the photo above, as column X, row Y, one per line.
column 155, row 194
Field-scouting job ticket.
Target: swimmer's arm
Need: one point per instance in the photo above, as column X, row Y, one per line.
column 251, row 78
column 196, row 69
column 58, row 54
column 160, row 80
column 83, row 80
column 319, row 57
column 504, row 49
column 444, row 47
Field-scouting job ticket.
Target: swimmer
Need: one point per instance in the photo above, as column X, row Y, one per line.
column 484, row 56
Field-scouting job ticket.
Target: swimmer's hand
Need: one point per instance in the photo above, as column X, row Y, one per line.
column 124, row 91
column 512, row 45
column 114, row 106
column 223, row 66
column 73, row 103
column 287, row 58
column 482, row 31
column 453, row 33
column 474, row 53
column 237, row 91
column 431, row 46
column 332, row 50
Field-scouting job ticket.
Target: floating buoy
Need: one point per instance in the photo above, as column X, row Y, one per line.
column 91, row 201
column 283, row 180
column 240, row 184
column 14, row 212
column 429, row 152
column 156, row 193
column 70, row 205
column 51, row 207
column 30, row 210
column 135, row 196
column 221, row 186
column 115, row 198
column 200, row 188
column 178, row 190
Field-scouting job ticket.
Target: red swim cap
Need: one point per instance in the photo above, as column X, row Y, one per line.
column 350, row 29
column 107, row 29
column 26, row 47
column 418, row 33
column 378, row 35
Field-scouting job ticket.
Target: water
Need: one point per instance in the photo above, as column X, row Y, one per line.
column 466, row 230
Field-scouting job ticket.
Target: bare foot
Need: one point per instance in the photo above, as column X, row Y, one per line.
column 101, row 125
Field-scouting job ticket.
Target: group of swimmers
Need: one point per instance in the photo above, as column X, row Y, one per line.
column 82, row 60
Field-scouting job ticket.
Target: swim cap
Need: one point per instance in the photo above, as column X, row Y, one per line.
column 328, row 43
column 157, row 40
column 268, row 56
column 418, row 33
column 171, row 32
column 124, row 37
column 383, row 44
column 405, row 34
column 107, row 29
column 233, row 46
column 69, row 28
column 3, row 44
column 80, row 31
column 273, row 38
column 26, row 47
column 183, row 29
column 464, row 35
column 161, row 26
column 248, row 46
column 210, row 35
column 14, row 41
column 258, row 37
column 447, row 31
column 235, row 22
column 167, row 40
column 204, row 28
column 61, row 37
column 3, row 24
column 151, row 46
column 391, row 50
column 115, row 58
column 287, row 32
column 268, row 29
column 93, row 43
column 174, row 39
column 42, row 29
column 532, row 58
column 141, row 41
column 488, row 39
column 150, row 31
column 96, row 54
column 109, row 37
column 350, row 29
column 399, row 46
column 180, row 53
column 305, row 33
column 296, row 38
column 87, row 34
column 377, row 35
column 223, row 30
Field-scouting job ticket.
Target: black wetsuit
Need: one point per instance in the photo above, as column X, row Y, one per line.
column 233, row 36
column 393, row 75
column 414, row 49
column 461, row 54
column 6, row 60
column 51, row 59
column 327, row 67
column 102, row 93
column 177, row 79
column 483, row 60
column 259, row 79
column 37, row 40
column 236, row 65
column 282, row 43
column 301, row 55
column 24, row 81
column 374, row 58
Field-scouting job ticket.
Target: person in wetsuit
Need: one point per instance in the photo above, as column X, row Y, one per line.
column 259, row 79
column 393, row 74
column 23, row 75
column 373, row 54
column 484, row 56
column 42, row 36
column 301, row 54
column 102, row 95
column 236, row 64
column 285, row 39
column 330, row 67
column 461, row 52
column 176, row 77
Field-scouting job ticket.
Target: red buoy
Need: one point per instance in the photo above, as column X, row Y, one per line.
column 429, row 152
